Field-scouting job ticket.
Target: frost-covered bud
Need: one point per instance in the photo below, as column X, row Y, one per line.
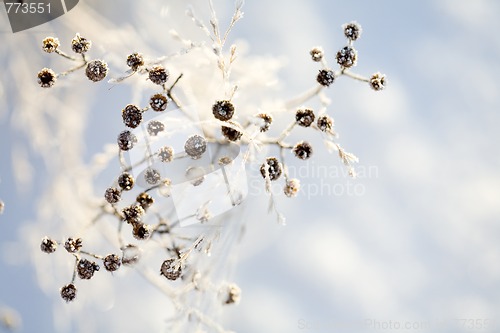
column 80, row 44
column 133, row 214
column 112, row 262
column 325, row 77
column 68, row 292
column 47, row 78
column 126, row 181
column 145, row 200
column 325, row 123
column 152, row 176
column 166, row 154
column 48, row 245
column 96, row 70
column 267, row 120
column 158, row 102
column 274, row 168
column 155, row 127
column 158, row 75
column 223, row 110
column 73, row 245
column 126, row 140
column 195, row 146
column 347, row 57
column 112, row 195
column 168, row 269
column 135, row 60
column 378, row 81
column 132, row 116
column 230, row 133
column 316, row 54
column 233, row 294
column 352, row 30
column 292, row 187
column 86, row 269
column 141, row 231
column 304, row 117
column 303, row 150
column 50, row 44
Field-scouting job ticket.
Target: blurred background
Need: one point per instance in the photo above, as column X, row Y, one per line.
column 413, row 240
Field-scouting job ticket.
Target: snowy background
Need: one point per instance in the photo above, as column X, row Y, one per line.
column 416, row 242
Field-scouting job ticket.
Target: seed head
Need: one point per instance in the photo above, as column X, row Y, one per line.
column 96, row 70
column 155, row 127
column 325, row 77
column 274, row 168
column 80, row 44
column 304, row 117
column 195, row 146
column 158, row 102
column 378, row 81
column 73, row 245
column 112, row 262
column 141, row 231
column 347, row 57
column 152, row 176
column 325, row 123
column 316, row 54
column 135, row 60
column 126, row 181
column 132, row 116
column 292, row 187
column 50, row 44
column 230, row 133
column 112, row 195
column 223, row 110
column 166, row 154
column 233, row 294
column 68, row 292
column 267, row 121
column 158, row 75
column 133, row 214
column 46, row 78
column 168, row 269
column 145, row 200
column 86, row 269
column 126, row 140
column 48, row 245
column 303, row 150
column 352, row 30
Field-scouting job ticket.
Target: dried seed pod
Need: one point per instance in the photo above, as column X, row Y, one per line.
column 223, row 110
column 145, row 200
column 303, row 150
column 68, row 292
column 155, row 127
column 135, row 60
column 325, row 123
column 141, row 231
column 133, row 214
column 230, row 133
column 267, row 119
column 112, row 262
column 274, row 168
column 47, row 78
column 96, row 70
column 152, row 176
column 50, row 44
column 233, row 294
column 126, row 140
column 325, row 77
column 304, row 117
column 292, row 187
column 352, row 30
column 166, row 154
column 132, row 116
column 158, row 75
column 80, row 44
column 86, row 269
column 316, row 54
column 347, row 57
column 112, row 195
column 73, row 245
column 378, row 81
column 126, row 181
column 195, row 146
column 168, row 269
column 158, row 102
column 48, row 245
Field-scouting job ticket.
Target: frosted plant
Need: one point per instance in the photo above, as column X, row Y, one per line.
column 171, row 211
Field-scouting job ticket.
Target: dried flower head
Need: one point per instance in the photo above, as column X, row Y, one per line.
column 168, row 269
column 133, row 214
column 267, row 121
column 158, row 102
column 352, row 30
column 316, row 54
column 233, row 294
column 96, row 70
column 195, row 146
column 152, row 176
column 135, row 60
column 223, row 110
column 304, row 117
column 112, row 262
column 50, row 44
column 80, row 44
column 325, row 77
column 158, row 75
column 86, row 269
column 166, row 154
column 48, row 245
column 274, row 168
column 68, row 292
column 112, row 195
column 325, row 123
column 47, row 78
column 73, row 245
column 378, row 81
column 155, row 127
column 141, row 231
column 126, row 181
column 347, row 57
column 132, row 116
column 230, row 133
column 145, row 200
column 303, row 150
column 292, row 187
column 130, row 254
column 126, row 140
